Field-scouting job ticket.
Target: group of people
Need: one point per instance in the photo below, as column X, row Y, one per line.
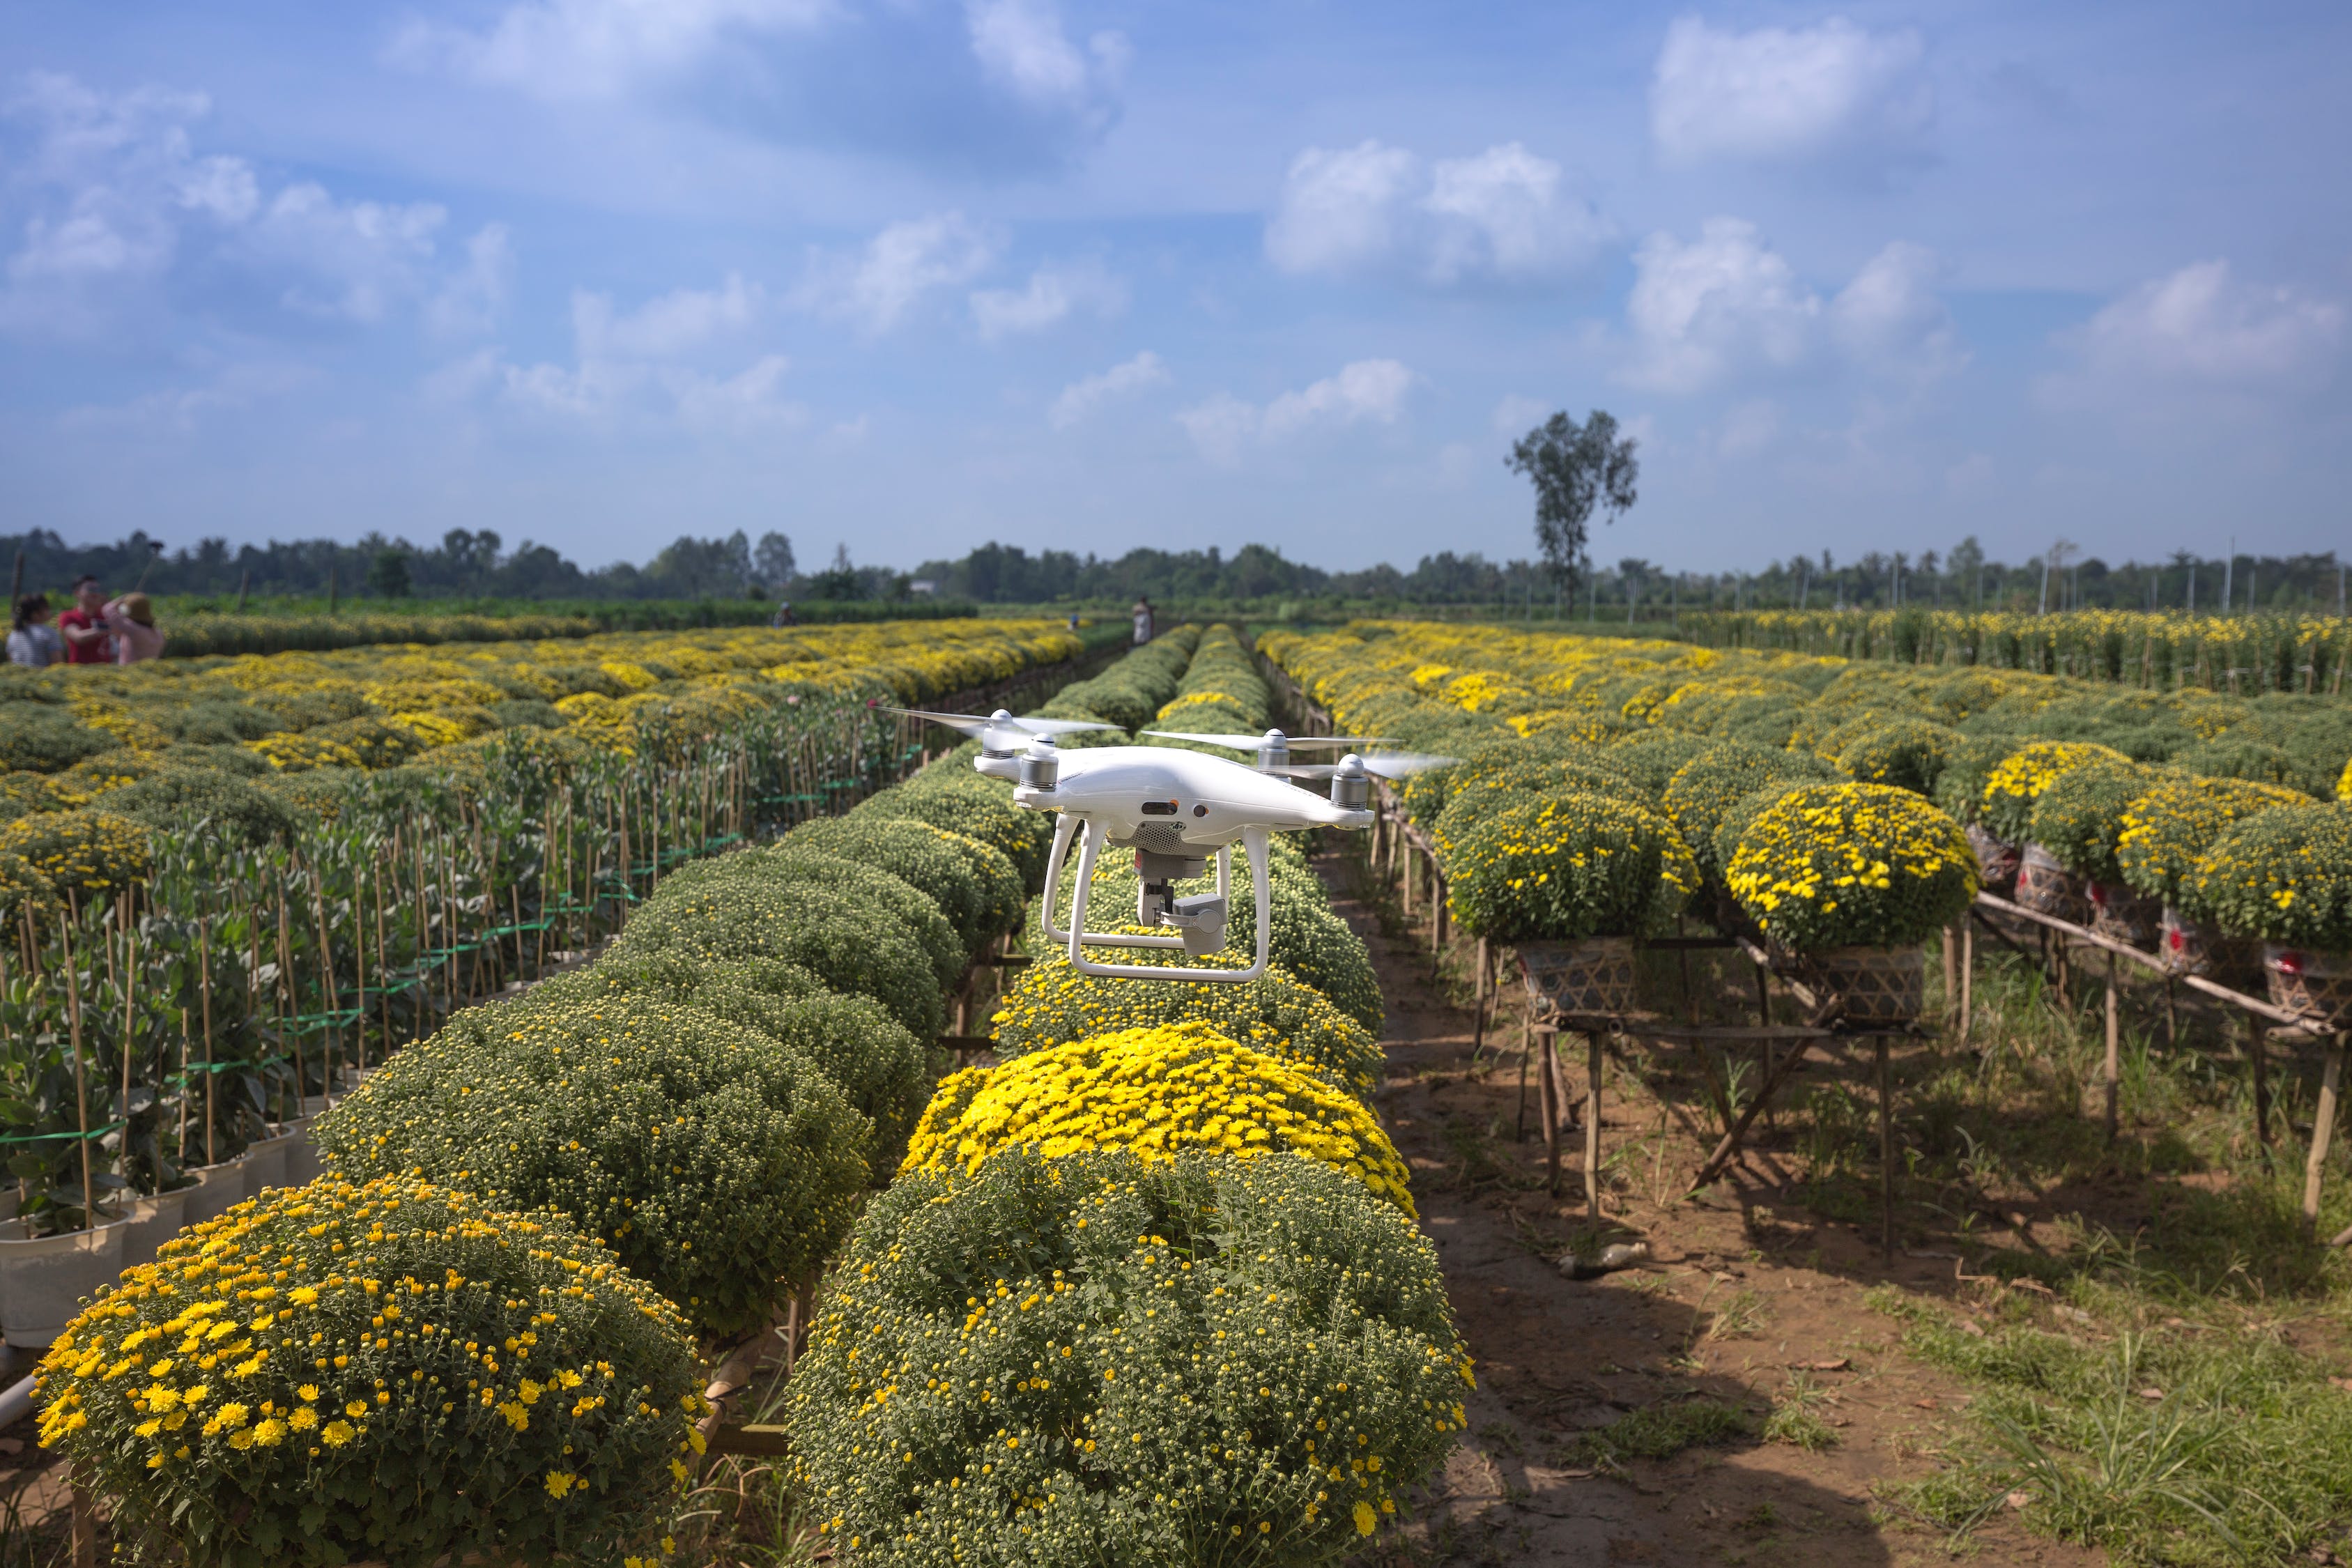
column 97, row 630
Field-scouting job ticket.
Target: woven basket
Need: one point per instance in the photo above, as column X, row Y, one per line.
column 1595, row 975
column 1997, row 861
column 2118, row 912
column 2047, row 887
column 2188, row 948
column 2314, row 986
column 1876, row 984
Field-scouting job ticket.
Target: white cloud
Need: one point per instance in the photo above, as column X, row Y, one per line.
column 1020, row 49
column 1726, row 307
column 2200, row 325
column 1082, row 398
column 876, row 287
column 560, row 49
column 665, row 326
column 1515, row 416
column 1373, row 210
column 1780, row 94
column 472, row 299
column 1224, row 427
column 1749, row 428
column 116, row 197
column 1053, row 294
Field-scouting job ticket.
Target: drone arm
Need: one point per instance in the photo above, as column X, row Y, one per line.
column 1064, row 826
column 1254, row 840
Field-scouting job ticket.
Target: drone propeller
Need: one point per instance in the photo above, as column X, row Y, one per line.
column 1386, row 764
column 1000, row 730
column 1254, row 742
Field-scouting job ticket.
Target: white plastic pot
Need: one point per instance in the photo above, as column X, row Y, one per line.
column 218, row 1188
column 265, row 1159
column 45, row 1279
column 153, row 1222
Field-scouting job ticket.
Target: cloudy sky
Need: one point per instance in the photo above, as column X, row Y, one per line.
column 913, row 274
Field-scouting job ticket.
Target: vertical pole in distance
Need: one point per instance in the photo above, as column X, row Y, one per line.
column 1478, row 1001
column 2258, row 1041
column 2113, row 1068
column 1886, row 1150
column 1592, row 1124
column 2323, row 1132
column 1968, row 977
column 1547, row 1091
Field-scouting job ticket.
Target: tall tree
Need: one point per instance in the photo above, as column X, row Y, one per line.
column 1574, row 468
column 773, row 559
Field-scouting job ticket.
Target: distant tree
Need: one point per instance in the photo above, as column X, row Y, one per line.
column 1574, row 468
column 1966, row 566
column 387, row 575
column 772, row 561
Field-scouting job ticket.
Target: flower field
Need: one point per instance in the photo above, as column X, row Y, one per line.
column 1148, row 1291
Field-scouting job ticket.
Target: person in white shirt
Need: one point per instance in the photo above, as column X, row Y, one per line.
column 1142, row 614
column 31, row 640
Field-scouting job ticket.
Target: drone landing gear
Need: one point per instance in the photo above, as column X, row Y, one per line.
column 1199, row 920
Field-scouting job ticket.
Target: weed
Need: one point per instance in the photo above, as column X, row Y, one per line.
column 1740, row 1317
column 1796, row 1420
column 1660, row 1432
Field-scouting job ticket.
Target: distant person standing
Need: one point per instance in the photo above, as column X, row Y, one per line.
column 132, row 619
column 1142, row 614
column 1073, row 620
column 84, row 626
column 32, row 641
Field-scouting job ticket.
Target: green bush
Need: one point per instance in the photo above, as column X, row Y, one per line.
column 1053, row 1004
column 2018, row 780
column 949, row 794
column 2080, row 816
column 2166, row 830
column 880, row 1068
column 1704, row 790
column 1651, row 757
column 86, row 855
column 226, row 808
column 1967, row 768
column 2255, row 761
column 394, row 1371
column 2281, row 875
column 719, row 1165
column 1853, row 865
column 38, row 738
column 976, row 887
column 1569, row 866
column 1908, row 753
column 1092, row 1359
column 848, row 944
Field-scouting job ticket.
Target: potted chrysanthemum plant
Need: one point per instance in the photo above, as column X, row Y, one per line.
column 2166, row 831
column 2284, row 878
column 2077, row 821
column 1570, row 880
column 2044, row 885
column 1851, row 879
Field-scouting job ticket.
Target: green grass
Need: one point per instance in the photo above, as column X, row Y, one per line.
column 1660, row 1432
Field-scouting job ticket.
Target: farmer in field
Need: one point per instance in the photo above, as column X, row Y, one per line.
column 31, row 640
column 132, row 619
column 84, row 626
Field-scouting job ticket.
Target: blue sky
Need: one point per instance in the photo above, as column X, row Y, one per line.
column 909, row 275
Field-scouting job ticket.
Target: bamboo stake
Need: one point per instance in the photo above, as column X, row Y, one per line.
column 179, row 1149
column 204, row 988
column 1885, row 1149
column 2113, row 1067
column 2322, row 1131
column 2257, row 1041
column 1592, row 1124
column 1548, row 1097
column 1967, row 978
column 81, row 1092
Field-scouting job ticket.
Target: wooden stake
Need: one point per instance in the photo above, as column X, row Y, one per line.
column 2113, row 1068
column 205, row 989
column 81, row 1093
column 2258, row 1042
column 1885, row 1149
column 1478, row 1025
column 2323, row 1132
column 1967, row 978
column 1526, row 1051
column 1592, row 1125
column 1549, row 1093
column 1952, row 974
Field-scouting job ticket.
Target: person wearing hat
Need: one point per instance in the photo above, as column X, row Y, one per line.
column 132, row 619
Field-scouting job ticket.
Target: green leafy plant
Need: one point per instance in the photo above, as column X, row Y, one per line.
column 720, row 1165
column 1704, row 790
column 1093, row 1359
column 1568, row 867
column 1856, row 865
column 2281, row 875
column 976, row 886
column 2080, row 817
column 2166, row 830
column 2019, row 778
column 393, row 1371
column 85, row 855
column 1908, row 753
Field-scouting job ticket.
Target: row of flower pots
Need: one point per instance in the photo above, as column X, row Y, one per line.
column 45, row 1279
column 2314, row 986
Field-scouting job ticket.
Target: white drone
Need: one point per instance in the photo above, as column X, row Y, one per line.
column 1176, row 810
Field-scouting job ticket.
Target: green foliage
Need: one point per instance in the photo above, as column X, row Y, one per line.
column 1092, row 1359
column 190, row 798
column 948, row 794
column 1855, row 865
column 2080, row 817
column 2018, row 780
column 715, row 1162
column 1908, row 753
column 976, row 887
column 2166, row 830
column 1569, row 866
column 1660, row 1432
column 38, row 738
column 395, row 1371
column 1706, row 789
column 86, row 855
column 1967, row 768
column 2282, row 876
column 1053, row 1004
column 881, row 1070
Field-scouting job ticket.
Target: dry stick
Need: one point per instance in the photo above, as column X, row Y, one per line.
column 2114, row 1067
column 130, row 985
column 1967, row 978
column 1592, row 1124
column 1527, row 1053
column 1478, row 1002
column 1952, row 974
column 180, row 1150
column 1547, row 1094
column 82, row 1094
column 2323, row 1130
column 205, row 989
column 334, row 993
column 2258, row 1042
column 1885, row 1149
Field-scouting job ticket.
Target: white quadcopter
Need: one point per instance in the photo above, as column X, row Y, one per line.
column 1176, row 810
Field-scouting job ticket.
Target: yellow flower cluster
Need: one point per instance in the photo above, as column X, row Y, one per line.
column 1853, row 865
column 1157, row 1092
column 2018, row 782
column 88, row 854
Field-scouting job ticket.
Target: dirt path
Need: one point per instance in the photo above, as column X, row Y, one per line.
column 1744, row 1299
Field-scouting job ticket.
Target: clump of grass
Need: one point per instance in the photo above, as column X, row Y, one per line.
column 1660, row 1432
column 1742, row 1315
column 1796, row 1418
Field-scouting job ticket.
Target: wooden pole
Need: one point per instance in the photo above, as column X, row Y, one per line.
column 204, row 990
column 1967, row 978
column 1952, row 974
column 1592, row 1124
column 1481, row 984
column 2113, row 1066
column 1547, row 1092
column 2322, row 1131
column 81, row 1092
column 1885, row 1149
column 2258, row 1042
column 1526, row 1051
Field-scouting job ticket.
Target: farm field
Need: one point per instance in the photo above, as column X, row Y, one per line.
column 715, row 1163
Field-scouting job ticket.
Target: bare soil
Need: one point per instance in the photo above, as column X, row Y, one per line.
column 1745, row 1290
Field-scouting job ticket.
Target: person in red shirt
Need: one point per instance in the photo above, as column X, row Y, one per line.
column 84, row 625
